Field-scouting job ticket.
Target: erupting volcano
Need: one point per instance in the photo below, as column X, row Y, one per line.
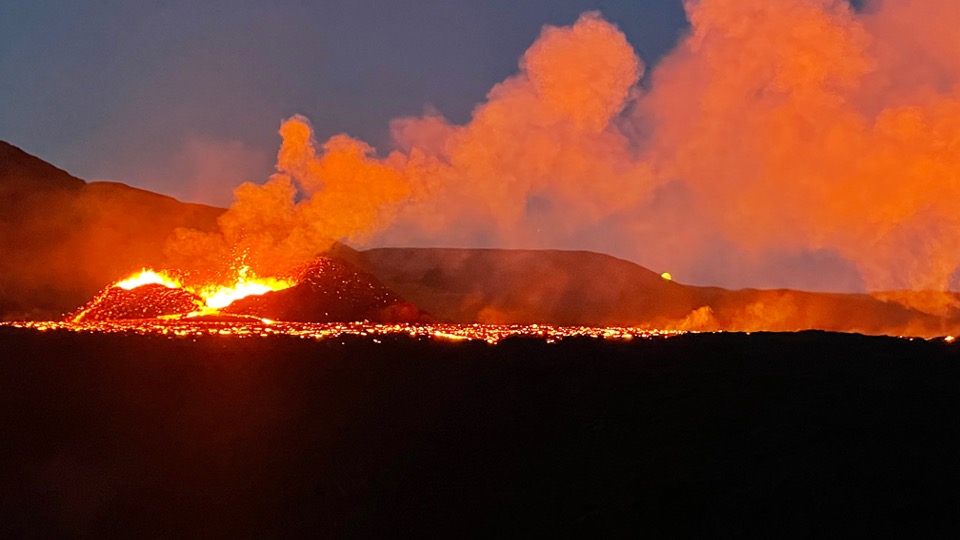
column 151, row 294
column 824, row 162
column 143, row 301
column 325, row 290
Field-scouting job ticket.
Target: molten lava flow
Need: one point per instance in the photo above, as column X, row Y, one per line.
column 253, row 327
column 149, row 277
column 214, row 296
column 221, row 296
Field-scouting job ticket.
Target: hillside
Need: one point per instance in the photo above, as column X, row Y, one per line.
column 63, row 239
column 583, row 288
column 496, row 286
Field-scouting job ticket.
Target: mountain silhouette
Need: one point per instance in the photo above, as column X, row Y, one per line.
column 585, row 288
column 63, row 239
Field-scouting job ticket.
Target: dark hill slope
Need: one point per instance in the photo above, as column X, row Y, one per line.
column 560, row 287
column 583, row 288
column 62, row 239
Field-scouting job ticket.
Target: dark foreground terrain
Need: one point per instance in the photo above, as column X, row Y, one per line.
column 805, row 434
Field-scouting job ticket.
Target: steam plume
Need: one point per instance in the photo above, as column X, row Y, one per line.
column 341, row 194
column 773, row 132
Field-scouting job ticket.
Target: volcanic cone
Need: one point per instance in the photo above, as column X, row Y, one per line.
column 144, row 302
column 330, row 290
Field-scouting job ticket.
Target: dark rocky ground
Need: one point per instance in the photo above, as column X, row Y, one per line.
column 780, row 435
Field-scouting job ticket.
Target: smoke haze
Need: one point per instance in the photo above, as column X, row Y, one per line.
column 797, row 142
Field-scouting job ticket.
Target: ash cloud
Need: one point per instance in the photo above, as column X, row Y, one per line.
column 801, row 130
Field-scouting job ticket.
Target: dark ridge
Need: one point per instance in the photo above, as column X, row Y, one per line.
column 20, row 169
column 62, row 239
column 584, row 288
column 527, row 286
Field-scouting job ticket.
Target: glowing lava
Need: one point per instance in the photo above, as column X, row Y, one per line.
column 214, row 297
column 221, row 296
column 149, row 277
column 252, row 327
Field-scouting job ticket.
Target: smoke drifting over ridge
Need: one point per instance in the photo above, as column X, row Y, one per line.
column 800, row 133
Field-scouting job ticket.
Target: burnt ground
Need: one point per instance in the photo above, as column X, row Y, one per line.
column 730, row 435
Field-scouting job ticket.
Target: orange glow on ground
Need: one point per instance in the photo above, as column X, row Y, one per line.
column 192, row 327
column 221, row 296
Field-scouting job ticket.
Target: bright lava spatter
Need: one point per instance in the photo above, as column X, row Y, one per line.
column 184, row 327
column 215, row 296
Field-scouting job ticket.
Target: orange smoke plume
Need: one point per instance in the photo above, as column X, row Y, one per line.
column 775, row 132
column 788, row 129
column 544, row 154
column 799, row 130
column 316, row 198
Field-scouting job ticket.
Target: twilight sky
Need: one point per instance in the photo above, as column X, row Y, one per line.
column 185, row 97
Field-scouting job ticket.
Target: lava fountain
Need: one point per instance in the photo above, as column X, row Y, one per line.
column 153, row 293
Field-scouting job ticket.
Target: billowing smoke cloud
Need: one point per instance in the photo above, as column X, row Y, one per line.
column 342, row 193
column 776, row 134
column 799, row 129
column 544, row 156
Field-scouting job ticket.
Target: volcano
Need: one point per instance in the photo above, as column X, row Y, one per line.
column 145, row 302
column 330, row 290
column 325, row 290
